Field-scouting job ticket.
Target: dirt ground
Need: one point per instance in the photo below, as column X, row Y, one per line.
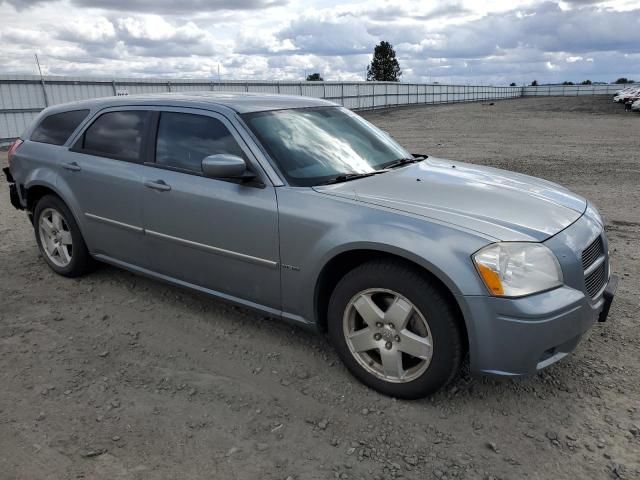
column 114, row 376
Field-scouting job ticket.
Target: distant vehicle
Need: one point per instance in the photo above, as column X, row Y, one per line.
column 617, row 97
column 629, row 97
column 633, row 96
column 624, row 95
column 303, row 210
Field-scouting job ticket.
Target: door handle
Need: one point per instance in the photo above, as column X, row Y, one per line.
column 72, row 166
column 159, row 185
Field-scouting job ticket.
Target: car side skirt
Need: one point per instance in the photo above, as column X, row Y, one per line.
column 272, row 312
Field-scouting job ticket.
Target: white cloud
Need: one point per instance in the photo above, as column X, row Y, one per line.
column 88, row 30
column 496, row 41
column 157, row 6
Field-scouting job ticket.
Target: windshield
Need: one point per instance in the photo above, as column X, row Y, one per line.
column 313, row 145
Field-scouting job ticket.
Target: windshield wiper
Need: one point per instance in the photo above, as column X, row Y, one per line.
column 403, row 161
column 346, row 177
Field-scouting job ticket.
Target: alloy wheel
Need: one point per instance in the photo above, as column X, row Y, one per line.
column 55, row 237
column 388, row 335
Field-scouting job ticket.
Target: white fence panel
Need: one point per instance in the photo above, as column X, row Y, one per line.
column 313, row 89
column 264, row 88
column 14, row 123
column 23, row 96
column 190, row 87
column 69, row 92
column 18, row 96
column 334, row 92
column 570, row 90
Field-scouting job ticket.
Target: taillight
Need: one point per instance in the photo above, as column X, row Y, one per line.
column 12, row 149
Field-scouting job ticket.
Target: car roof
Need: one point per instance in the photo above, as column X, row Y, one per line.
column 239, row 102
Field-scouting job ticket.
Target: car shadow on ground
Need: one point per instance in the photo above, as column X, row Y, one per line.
column 232, row 318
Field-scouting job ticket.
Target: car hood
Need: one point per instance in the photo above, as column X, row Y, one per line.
column 496, row 203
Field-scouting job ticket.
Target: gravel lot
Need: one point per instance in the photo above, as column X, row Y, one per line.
column 119, row 377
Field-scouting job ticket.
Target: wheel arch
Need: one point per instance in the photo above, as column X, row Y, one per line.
column 340, row 264
column 35, row 190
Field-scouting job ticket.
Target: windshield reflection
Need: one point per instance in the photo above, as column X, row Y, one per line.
column 312, row 145
column 334, row 154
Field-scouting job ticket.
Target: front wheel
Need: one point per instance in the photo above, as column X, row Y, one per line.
column 394, row 330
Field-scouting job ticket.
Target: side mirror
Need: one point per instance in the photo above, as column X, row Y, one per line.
column 224, row 165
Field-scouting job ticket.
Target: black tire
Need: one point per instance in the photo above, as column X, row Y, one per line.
column 81, row 261
column 435, row 307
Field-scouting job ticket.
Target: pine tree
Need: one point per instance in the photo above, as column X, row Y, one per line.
column 384, row 67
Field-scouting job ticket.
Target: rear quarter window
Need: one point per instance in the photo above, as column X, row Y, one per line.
column 57, row 128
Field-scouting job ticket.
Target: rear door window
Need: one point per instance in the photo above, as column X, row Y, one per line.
column 116, row 135
column 57, row 128
column 185, row 139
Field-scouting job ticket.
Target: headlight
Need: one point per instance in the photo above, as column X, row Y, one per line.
column 514, row 269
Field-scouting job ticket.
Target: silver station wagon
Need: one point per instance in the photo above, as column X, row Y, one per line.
column 304, row 211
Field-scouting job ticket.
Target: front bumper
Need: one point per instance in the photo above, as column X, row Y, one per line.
column 522, row 336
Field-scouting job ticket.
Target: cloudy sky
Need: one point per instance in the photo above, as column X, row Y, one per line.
column 462, row 41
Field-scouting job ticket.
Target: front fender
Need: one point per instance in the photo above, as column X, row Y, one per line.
column 315, row 228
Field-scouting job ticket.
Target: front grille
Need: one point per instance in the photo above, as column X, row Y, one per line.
column 591, row 253
column 596, row 279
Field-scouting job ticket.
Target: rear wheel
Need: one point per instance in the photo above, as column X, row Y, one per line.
column 394, row 330
column 59, row 238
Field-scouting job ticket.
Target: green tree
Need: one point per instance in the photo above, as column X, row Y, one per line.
column 567, row 83
column 623, row 80
column 512, row 84
column 534, row 83
column 314, row 77
column 586, row 82
column 384, row 67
